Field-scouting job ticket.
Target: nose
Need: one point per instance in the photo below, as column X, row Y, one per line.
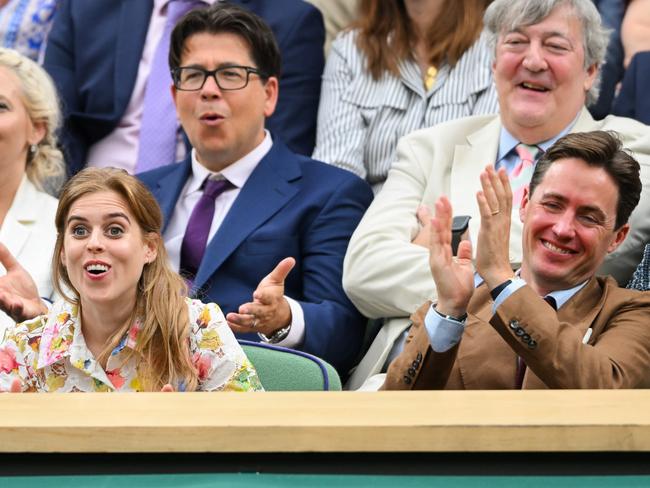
column 210, row 89
column 95, row 242
column 534, row 59
column 563, row 227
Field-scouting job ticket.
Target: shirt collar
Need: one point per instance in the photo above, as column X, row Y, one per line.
column 236, row 173
column 507, row 141
column 560, row 296
column 563, row 296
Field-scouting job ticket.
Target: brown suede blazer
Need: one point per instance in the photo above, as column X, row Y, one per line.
column 617, row 354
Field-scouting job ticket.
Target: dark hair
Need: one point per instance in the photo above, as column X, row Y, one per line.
column 386, row 34
column 603, row 150
column 224, row 17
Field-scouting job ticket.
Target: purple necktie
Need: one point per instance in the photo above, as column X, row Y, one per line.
column 159, row 124
column 198, row 227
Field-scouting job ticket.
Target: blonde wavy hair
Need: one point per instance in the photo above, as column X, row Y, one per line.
column 45, row 166
column 163, row 339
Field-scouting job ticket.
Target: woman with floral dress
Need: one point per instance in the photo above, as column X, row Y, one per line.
column 125, row 323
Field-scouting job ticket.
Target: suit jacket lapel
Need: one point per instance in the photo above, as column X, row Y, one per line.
column 169, row 188
column 580, row 311
column 135, row 16
column 584, row 123
column 469, row 160
column 583, row 307
column 14, row 233
column 267, row 190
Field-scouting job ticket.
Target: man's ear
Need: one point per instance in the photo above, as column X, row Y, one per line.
column 619, row 237
column 592, row 72
column 173, row 90
column 271, row 89
column 524, row 205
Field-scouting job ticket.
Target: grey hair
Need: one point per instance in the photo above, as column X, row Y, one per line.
column 506, row 15
column 44, row 166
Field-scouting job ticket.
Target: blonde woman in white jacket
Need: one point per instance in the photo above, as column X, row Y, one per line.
column 29, row 162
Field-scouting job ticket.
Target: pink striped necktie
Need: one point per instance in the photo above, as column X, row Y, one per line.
column 158, row 130
column 521, row 175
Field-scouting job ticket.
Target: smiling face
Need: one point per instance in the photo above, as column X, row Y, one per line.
column 104, row 250
column 569, row 225
column 540, row 76
column 17, row 132
column 223, row 126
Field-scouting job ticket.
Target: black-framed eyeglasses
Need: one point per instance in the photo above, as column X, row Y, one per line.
column 227, row 77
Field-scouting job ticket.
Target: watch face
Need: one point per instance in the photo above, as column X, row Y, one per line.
column 280, row 334
column 277, row 336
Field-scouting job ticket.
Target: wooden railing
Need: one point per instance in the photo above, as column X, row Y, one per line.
column 479, row 421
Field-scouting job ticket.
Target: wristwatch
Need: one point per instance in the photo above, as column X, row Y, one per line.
column 277, row 336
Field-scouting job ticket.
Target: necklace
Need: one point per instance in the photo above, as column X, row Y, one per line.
column 430, row 77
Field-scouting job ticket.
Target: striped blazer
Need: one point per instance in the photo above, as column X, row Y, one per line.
column 360, row 120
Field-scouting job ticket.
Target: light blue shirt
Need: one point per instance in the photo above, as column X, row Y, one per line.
column 446, row 333
column 506, row 156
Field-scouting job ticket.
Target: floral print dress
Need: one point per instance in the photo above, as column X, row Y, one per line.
column 49, row 354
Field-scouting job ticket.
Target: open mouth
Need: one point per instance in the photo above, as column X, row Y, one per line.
column 211, row 117
column 556, row 249
column 533, row 86
column 97, row 269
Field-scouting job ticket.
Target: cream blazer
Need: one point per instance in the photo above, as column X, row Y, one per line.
column 386, row 276
column 29, row 232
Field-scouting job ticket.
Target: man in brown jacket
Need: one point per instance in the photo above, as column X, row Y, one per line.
column 554, row 324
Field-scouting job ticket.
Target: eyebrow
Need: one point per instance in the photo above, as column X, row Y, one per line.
column 112, row 215
column 588, row 208
column 227, row 64
column 545, row 35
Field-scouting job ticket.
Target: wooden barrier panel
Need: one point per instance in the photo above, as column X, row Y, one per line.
column 446, row 421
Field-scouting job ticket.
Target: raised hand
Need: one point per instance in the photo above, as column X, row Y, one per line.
column 269, row 310
column 18, row 293
column 454, row 276
column 493, row 245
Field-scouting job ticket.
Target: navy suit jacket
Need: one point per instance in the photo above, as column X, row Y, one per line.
column 293, row 206
column 633, row 100
column 94, row 51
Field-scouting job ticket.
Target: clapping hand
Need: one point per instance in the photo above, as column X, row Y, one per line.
column 493, row 244
column 454, row 276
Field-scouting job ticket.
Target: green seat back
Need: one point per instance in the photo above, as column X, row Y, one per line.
column 282, row 369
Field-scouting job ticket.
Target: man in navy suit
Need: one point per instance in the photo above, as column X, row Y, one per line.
column 97, row 55
column 277, row 210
